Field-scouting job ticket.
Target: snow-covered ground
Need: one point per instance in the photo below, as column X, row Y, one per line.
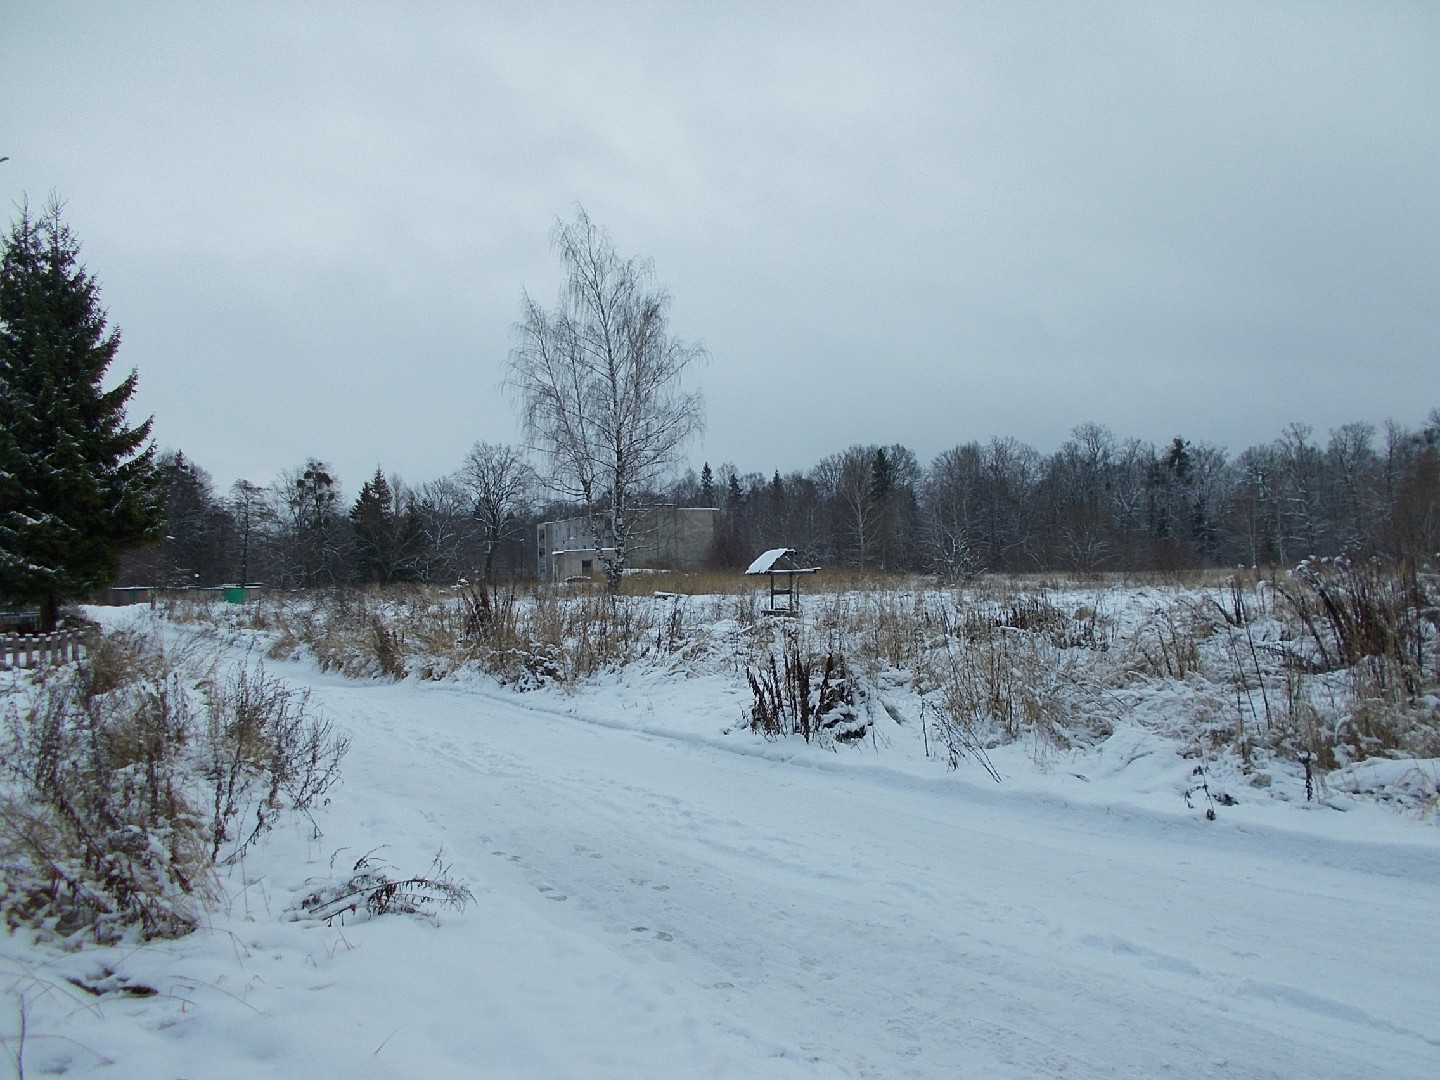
column 661, row 893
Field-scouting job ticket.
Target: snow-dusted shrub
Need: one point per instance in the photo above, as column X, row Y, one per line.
column 120, row 784
column 807, row 694
column 1167, row 643
column 343, row 630
column 1031, row 612
column 1367, row 657
column 507, row 635
column 346, row 630
column 528, row 641
column 877, row 625
column 99, row 830
column 947, row 711
column 387, row 647
column 1002, row 686
column 264, row 752
column 999, row 607
column 523, row 639
column 1367, row 614
column 370, row 890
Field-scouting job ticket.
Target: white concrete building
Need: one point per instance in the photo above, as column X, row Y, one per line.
column 664, row 538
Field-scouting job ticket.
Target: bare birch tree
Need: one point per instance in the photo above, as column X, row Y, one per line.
column 442, row 511
column 598, row 381
column 848, row 480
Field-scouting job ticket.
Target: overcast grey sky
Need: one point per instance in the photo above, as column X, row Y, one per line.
column 914, row 223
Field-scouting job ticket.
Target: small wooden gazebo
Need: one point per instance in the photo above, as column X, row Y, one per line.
column 778, row 564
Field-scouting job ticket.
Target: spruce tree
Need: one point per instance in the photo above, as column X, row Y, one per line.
column 707, row 488
column 384, row 532
column 77, row 485
column 881, row 476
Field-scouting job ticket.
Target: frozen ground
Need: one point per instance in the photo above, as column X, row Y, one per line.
column 659, row 894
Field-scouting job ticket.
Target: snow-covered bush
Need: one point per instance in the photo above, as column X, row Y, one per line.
column 1368, row 640
column 263, row 752
column 99, row 822
column 371, row 889
column 813, row 695
column 984, row 684
column 346, row 630
column 120, row 785
column 1362, row 613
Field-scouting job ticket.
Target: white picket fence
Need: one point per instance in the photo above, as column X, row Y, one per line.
column 36, row 650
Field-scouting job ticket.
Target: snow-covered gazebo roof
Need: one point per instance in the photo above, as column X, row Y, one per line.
column 779, row 561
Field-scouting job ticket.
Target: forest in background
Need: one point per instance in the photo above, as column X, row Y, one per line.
column 1099, row 503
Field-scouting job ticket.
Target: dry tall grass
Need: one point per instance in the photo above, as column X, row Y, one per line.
column 1333, row 662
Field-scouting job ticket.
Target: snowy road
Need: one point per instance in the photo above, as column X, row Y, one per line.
column 826, row 920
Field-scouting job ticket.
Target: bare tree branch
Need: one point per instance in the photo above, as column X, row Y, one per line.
column 598, row 382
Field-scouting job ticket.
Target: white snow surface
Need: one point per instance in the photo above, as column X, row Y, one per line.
column 661, row 893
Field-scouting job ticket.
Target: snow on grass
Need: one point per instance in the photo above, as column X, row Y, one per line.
column 660, row 892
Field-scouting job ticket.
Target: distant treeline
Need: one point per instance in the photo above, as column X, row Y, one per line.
column 1098, row 503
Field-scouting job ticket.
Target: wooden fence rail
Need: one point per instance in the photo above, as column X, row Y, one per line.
column 35, row 650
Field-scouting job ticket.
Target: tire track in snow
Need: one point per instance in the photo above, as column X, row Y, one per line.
column 898, row 934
